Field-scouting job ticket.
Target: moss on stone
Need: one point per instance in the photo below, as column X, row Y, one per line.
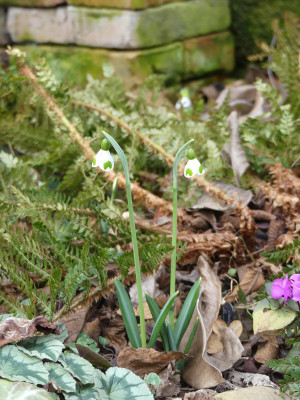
column 208, row 53
column 124, row 4
column 180, row 60
column 182, row 20
column 251, row 22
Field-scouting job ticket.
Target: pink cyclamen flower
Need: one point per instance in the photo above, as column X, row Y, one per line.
column 282, row 288
column 295, row 279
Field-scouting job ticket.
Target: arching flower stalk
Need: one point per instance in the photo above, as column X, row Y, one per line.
column 104, row 160
column 174, row 225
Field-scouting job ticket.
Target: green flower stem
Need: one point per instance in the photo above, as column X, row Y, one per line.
column 174, row 226
column 133, row 235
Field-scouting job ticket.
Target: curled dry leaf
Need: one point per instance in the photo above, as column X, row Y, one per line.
column 251, row 282
column 74, row 322
column 267, row 351
column 214, row 343
column 203, row 370
column 13, row 329
column 170, row 382
column 233, row 152
column 143, row 361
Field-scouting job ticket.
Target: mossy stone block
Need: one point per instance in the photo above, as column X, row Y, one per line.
column 118, row 29
column 124, row 4
column 181, row 21
column 191, row 58
column 208, row 53
column 2, row 27
column 31, row 3
column 72, row 64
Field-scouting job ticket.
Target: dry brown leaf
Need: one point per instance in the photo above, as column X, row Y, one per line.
column 219, row 323
column 237, row 327
column 75, row 322
column 143, row 361
column 199, row 395
column 233, row 152
column 252, row 281
column 147, row 312
column 214, row 344
column 202, row 370
column 267, row 351
column 118, row 342
column 13, row 329
column 170, row 382
column 93, row 329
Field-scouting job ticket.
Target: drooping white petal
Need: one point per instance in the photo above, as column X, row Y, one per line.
column 103, row 160
column 191, row 168
column 184, row 103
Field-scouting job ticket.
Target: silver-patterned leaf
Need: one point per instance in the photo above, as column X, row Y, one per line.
column 85, row 394
column 121, row 384
column 22, row 391
column 78, row 367
column 18, row 366
column 58, row 374
column 42, row 347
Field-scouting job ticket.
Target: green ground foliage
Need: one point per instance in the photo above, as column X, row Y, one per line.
column 58, row 226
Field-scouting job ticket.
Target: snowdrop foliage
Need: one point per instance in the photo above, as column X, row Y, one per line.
column 193, row 166
column 103, row 158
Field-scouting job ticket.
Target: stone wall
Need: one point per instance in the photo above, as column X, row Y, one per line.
column 178, row 38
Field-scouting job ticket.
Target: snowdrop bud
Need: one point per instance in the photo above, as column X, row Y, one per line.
column 103, row 158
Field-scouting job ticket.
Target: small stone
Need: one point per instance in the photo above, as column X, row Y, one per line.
column 250, row 393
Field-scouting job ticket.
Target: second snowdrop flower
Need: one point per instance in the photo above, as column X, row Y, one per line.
column 103, row 158
column 193, row 166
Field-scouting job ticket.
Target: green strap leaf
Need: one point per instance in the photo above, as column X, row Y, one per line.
column 161, row 319
column 129, row 318
column 155, row 311
column 186, row 312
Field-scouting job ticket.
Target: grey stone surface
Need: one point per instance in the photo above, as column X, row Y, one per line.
column 251, row 393
column 118, row 29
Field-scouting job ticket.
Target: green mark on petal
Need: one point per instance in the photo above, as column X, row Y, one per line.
column 107, row 165
column 200, row 169
column 189, row 172
column 94, row 161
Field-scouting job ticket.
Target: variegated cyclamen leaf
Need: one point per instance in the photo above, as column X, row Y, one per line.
column 18, row 366
column 22, row 391
column 85, row 394
column 64, row 333
column 121, row 384
column 63, row 378
column 42, row 347
column 78, row 367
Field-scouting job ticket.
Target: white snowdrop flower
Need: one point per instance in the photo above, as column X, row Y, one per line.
column 193, row 166
column 103, row 158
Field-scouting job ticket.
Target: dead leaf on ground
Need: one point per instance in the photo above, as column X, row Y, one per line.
column 170, row 382
column 199, row 395
column 233, row 152
column 74, row 323
column 150, row 286
column 13, row 329
column 251, row 282
column 202, row 370
column 214, row 343
column 268, row 350
column 147, row 312
column 143, row 361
